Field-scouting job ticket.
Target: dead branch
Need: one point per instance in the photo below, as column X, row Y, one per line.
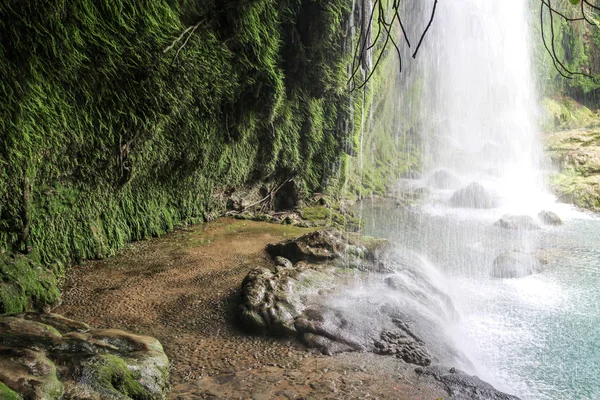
column 385, row 27
column 558, row 64
column 190, row 31
column 269, row 196
column 426, row 29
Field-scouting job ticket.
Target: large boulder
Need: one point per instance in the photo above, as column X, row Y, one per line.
column 47, row 356
column 443, row 179
column 472, row 196
column 549, row 218
column 517, row 222
column 273, row 300
column 517, row 264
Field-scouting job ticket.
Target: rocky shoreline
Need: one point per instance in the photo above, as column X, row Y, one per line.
column 184, row 290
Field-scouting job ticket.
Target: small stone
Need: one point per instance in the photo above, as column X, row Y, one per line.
column 549, row 218
column 517, row 222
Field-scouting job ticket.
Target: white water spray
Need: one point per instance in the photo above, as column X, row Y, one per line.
column 478, row 101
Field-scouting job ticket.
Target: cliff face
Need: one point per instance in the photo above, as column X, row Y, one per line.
column 122, row 119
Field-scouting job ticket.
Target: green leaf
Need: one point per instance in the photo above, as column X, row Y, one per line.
column 574, row 2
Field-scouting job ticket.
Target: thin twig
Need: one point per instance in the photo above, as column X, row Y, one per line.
column 591, row 5
column 546, row 45
column 426, row 29
column 563, row 15
column 186, row 30
column 270, row 195
column 585, row 16
column 186, row 40
column 554, row 48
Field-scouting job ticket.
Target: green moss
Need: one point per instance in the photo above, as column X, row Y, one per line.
column 577, row 46
column 25, row 284
column 7, row 394
column 565, row 113
column 581, row 191
column 331, row 216
column 316, row 213
column 108, row 136
column 385, row 143
column 112, row 377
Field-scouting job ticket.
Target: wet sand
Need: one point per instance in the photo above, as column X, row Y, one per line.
column 183, row 289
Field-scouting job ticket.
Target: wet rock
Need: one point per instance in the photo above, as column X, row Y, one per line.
column 516, row 264
column 443, row 179
column 326, row 245
column 472, row 196
column 517, row 222
column 425, row 292
column 273, row 301
column 269, row 302
column 577, row 155
column 295, row 300
column 549, row 218
column 47, row 356
column 461, row 386
column 403, row 345
column 413, row 196
column 282, row 263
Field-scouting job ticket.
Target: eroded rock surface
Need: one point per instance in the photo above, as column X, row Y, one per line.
column 47, row 356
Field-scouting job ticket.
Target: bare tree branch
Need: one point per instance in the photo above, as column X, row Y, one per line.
column 426, row 29
column 558, row 64
column 361, row 71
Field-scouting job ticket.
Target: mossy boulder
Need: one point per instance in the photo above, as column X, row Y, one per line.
column 272, row 300
column 26, row 284
column 565, row 113
column 334, row 216
column 47, row 356
column 7, row 393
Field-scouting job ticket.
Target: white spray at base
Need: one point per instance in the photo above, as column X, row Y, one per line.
column 478, row 103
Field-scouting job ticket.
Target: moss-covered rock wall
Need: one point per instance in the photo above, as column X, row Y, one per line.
column 577, row 46
column 121, row 119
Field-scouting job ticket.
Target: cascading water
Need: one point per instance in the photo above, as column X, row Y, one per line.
column 534, row 335
column 479, row 100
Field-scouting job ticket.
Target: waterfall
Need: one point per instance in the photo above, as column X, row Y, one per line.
column 478, row 105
